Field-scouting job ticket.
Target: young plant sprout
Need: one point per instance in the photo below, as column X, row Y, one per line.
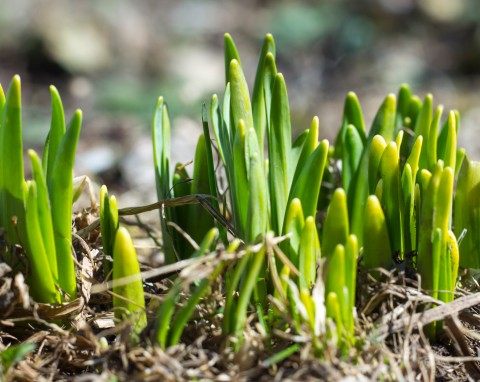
column 38, row 215
column 396, row 195
column 259, row 223
column 128, row 296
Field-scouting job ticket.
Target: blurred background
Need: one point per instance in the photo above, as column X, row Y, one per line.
column 112, row 59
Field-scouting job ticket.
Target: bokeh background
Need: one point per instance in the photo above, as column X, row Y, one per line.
column 113, row 59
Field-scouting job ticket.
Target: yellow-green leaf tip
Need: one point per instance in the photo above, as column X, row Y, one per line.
column 14, row 92
column 234, row 64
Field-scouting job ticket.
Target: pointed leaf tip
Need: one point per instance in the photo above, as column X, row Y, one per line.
column 269, row 38
column 451, row 118
column 14, row 92
column 159, row 102
column 391, row 98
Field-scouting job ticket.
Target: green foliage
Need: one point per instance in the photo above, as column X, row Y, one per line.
column 383, row 125
column 341, row 251
column 376, row 248
column 161, row 131
column 193, row 219
column 12, row 182
column 169, row 325
column 335, row 226
column 128, row 295
column 13, row 354
column 61, row 198
column 128, row 298
column 410, row 183
column 467, row 213
column 278, row 194
column 395, row 199
column 38, row 214
column 108, row 226
column 392, row 200
column 44, row 275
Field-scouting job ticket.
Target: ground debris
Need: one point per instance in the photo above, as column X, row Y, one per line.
column 82, row 341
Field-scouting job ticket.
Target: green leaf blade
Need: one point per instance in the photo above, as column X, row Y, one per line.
column 308, row 253
column 279, row 146
column 335, row 226
column 352, row 115
column 42, row 277
column 44, row 214
column 351, row 155
column 257, row 218
column 61, row 197
column 390, row 172
column 377, row 251
column 161, row 140
column 12, row 183
column 55, row 135
column 200, row 220
column 129, row 300
column 259, row 109
column 240, row 105
column 307, row 187
column 293, row 225
column 467, row 213
column 231, row 53
column 241, row 192
column 376, row 151
column 383, row 124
